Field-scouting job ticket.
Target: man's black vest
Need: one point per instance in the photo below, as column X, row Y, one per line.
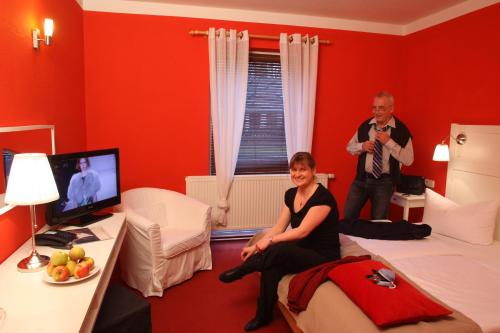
column 400, row 135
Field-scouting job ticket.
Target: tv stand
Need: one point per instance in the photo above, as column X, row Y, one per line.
column 88, row 219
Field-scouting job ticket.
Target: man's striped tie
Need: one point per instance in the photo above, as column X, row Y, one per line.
column 377, row 157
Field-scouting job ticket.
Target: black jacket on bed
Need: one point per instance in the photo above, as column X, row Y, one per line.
column 400, row 230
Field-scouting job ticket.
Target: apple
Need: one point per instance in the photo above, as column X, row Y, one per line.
column 71, row 267
column 59, row 258
column 60, row 273
column 50, row 268
column 81, row 270
column 76, row 253
column 89, row 261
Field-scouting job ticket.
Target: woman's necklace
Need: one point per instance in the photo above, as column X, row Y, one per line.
column 303, row 197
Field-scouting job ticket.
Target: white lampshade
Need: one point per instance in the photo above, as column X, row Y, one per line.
column 441, row 153
column 31, row 181
column 48, row 27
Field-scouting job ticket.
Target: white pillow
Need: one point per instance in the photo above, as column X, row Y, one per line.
column 473, row 223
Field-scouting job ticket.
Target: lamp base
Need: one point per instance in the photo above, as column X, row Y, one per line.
column 35, row 262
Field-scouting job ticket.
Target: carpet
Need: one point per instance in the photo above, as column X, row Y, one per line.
column 204, row 304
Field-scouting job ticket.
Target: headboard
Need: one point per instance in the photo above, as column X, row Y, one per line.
column 474, row 167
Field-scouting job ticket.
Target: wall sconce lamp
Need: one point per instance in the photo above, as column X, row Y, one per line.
column 442, row 153
column 48, row 30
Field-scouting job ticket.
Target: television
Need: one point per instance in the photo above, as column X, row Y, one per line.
column 87, row 181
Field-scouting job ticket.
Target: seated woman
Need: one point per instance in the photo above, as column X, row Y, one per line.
column 313, row 239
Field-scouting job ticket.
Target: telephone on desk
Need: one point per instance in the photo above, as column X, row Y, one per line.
column 55, row 238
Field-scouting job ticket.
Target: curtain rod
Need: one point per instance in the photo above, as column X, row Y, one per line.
column 267, row 37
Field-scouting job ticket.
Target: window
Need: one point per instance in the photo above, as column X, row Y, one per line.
column 263, row 144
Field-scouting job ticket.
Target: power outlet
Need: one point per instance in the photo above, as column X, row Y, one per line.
column 429, row 183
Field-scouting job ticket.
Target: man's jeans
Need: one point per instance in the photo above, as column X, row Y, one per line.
column 379, row 191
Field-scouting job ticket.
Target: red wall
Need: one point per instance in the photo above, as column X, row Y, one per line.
column 450, row 73
column 147, row 92
column 42, row 86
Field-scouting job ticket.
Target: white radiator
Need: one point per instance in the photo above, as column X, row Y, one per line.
column 255, row 201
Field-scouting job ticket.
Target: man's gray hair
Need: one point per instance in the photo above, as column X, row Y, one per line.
column 387, row 95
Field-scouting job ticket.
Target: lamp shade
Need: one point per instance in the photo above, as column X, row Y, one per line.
column 48, row 27
column 441, row 153
column 31, row 181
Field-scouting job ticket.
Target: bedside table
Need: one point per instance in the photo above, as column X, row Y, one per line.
column 407, row 201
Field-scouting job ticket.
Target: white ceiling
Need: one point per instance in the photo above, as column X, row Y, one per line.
column 399, row 17
column 382, row 11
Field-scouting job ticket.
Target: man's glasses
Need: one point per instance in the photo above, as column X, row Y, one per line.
column 380, row 107
column 383, row 277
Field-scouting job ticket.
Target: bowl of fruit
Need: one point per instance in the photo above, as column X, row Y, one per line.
column 69, row 267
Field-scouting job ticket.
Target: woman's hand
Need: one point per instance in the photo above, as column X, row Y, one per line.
column 260, row 246
column 263, row 243
column 247, row 252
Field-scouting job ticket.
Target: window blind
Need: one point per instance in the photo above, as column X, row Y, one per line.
column 263, row 144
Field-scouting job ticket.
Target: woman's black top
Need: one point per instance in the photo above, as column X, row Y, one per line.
column 324, row 239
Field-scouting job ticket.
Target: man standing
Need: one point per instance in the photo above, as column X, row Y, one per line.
column 382, row 144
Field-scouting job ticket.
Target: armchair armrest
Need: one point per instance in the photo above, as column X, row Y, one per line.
column 144, row 233
column 139, row 223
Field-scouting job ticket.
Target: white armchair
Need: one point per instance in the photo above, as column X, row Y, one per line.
column 167, row 239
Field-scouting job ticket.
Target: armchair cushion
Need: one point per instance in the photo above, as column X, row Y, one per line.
column 176, row 241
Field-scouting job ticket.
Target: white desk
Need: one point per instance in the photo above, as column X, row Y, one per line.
column 407, row 202
column 32, row 305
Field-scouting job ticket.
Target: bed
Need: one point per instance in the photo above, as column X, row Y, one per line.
column 453, row 267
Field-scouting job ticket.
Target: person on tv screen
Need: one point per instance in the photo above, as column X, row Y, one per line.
column 83, row 186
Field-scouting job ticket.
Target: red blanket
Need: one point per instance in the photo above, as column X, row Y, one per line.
column 304, row 284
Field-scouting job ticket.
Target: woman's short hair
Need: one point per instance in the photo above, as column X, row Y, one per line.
column 78, row 162
column 302, row 157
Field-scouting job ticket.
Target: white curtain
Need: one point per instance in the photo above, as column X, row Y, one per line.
column 228, row 90
column 299, row 70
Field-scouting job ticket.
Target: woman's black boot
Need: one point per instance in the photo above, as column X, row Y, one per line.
column 261, row 317
column 250, row 265
column 256, row 323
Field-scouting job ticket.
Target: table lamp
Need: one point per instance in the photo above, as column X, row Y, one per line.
column 31, row 182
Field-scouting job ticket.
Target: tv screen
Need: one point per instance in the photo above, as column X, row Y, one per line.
column 87, row 182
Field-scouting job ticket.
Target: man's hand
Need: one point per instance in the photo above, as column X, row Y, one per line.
column 368, row 146
column 382, row 137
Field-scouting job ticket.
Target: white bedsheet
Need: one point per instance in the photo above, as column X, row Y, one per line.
column 435, row 244
column 460, row 282
column 488, row 256
column 462, row 275
column 404, row 249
